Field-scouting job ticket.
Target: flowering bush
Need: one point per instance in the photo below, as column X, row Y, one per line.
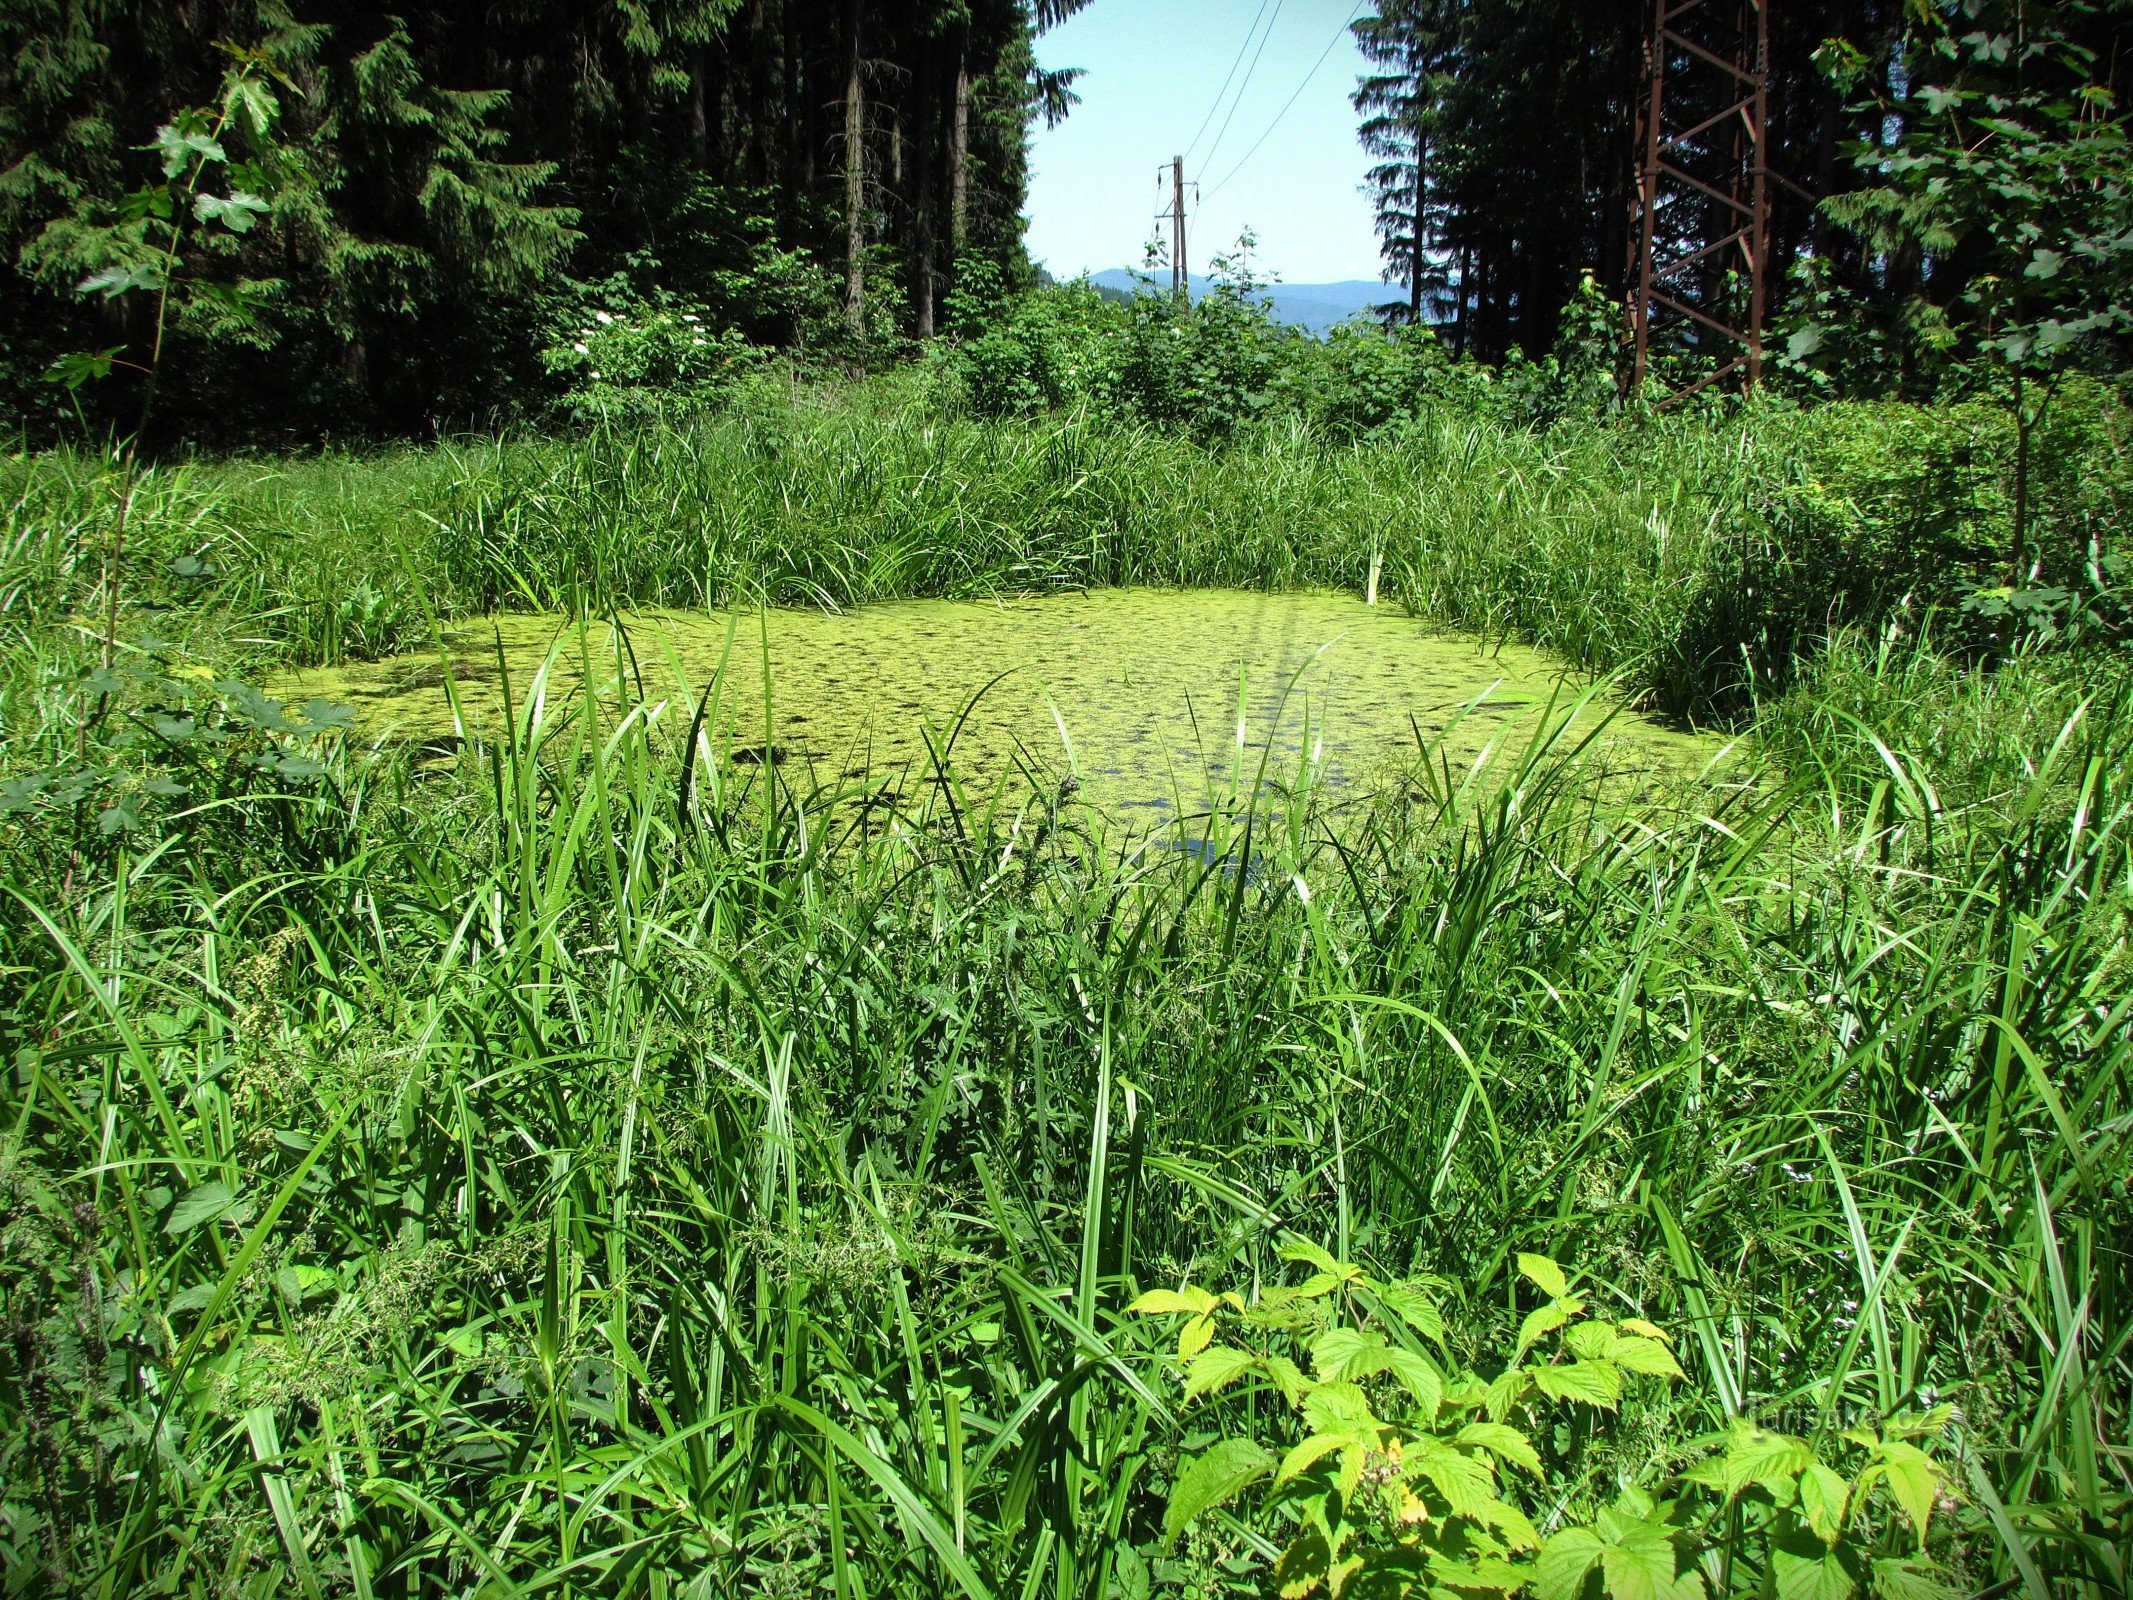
column 619, row 354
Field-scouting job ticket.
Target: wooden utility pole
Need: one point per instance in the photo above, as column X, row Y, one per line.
column 1180, row 278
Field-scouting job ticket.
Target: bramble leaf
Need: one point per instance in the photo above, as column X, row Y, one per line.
column 1317, row 1256
column 1640, row 1564
column 1335, row 1407
column 1305, row 1565
column 1420, row 1379
column 1545, row 1274
column 1213, row 1478
column 1302, row 1457
column 1565, row 1559
column 1597, row 1383
column 1158, row 1301
column 1193, row 1337
column 1501, row 1440
column 1466, row 1482
column 1913, row 1479
column 1346, row 1354
column 1823, row 1493
column 1640, row 1353
column 1821, row 1575
column 1540, row 1322
column 1911, row 1580
column 1768, row 1460
column 1216, row 1367
column 1415, row 1309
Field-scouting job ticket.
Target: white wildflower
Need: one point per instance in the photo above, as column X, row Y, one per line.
column 689, row 316
column 602, row 318
column 580, row 348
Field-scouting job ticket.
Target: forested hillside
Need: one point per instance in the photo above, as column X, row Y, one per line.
column 457, row 185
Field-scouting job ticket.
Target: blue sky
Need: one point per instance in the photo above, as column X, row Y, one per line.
column 1154, row 71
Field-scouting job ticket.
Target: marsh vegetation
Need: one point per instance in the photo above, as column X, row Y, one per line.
column 572, row 1156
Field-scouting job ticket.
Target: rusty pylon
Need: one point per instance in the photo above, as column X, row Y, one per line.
column 1701, row 210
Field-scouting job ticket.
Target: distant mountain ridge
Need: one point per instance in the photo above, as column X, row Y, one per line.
column 1311, row 306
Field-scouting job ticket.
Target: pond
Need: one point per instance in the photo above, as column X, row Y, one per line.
column 1155, row 700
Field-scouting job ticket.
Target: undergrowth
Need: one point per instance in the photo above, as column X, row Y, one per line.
column 567, row 1169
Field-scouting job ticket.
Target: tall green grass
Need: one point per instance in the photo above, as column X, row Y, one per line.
column 1697, row 558
column 575, row 1171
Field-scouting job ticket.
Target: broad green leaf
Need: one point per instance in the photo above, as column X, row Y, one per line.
column 1302, row 1457
column 180, row 148
column 1823, row 1493
column 1466, row 1482
column 1597, row 1383
column 1540, row 1322
column 1288, row 1378
column 1489, row 1573
column 1213, row 1478
column 1193, row 1337
column 1639, row 1353
column 112, row 282
column 1501, row 1440
column 1911, row 1580
column 1304, row 1566
column 1815, row 1575
column 1505, row 1391
column 1215, row 1367
column 1913, row 1479
column 252, row 102
column 1419, row 1376
column 235, row 213
column 1414, row 1308
column 1769, row 1460
column 1646, row 1330
column 1512, row 1524
column 204, row 1204
column 1156, row 1302
column 1315, row 1254
column 1545, row 1274
column 1640, row 1565
column 1334, row 1407
column 1589, row 1341
column 1565, row 1559
column 1347, row 1354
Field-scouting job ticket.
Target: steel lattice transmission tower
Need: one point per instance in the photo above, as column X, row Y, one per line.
column 1700, row 216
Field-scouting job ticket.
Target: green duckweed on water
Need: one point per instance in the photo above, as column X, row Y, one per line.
column 1154, row 699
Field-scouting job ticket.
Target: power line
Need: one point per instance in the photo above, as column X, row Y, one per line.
column 1246, row 84
column 1219, row 93
column 1338, row 35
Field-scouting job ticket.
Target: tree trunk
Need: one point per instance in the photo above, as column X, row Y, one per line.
column 699, row 112
column 855, row 179
column 959, row 146
column 924, row 187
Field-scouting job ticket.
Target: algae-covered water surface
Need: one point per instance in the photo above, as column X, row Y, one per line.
column 1153, row 699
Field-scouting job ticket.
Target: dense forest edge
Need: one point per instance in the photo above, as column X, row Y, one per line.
column 582, row 1155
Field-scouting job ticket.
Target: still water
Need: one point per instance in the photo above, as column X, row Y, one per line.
column 1153, row 699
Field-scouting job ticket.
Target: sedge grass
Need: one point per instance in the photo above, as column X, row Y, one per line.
column 575, row 1174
